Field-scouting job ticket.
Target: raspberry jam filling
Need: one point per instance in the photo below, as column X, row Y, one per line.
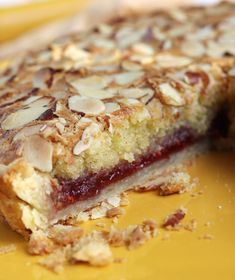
column 90, row 185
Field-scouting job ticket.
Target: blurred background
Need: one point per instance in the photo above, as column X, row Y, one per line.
column 26, row 22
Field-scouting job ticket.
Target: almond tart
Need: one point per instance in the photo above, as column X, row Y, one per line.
column 94, row 114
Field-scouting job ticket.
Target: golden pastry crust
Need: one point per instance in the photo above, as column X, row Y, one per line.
column 90, row 101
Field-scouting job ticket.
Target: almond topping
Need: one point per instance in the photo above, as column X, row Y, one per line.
column 170, row 96
column 29, row 131
column 135, row 92
column 232, row 72
column 127, row 77
column 167, row 60
column 111, row 107
column 86, row 105
column 87, row 138
column 38, row 152
column 98, row 93
column 143, row 49
column 42, row 78
column 74, row 53
column 92, row 82
column 27, row 114
column 131, row 66
column 193, row 48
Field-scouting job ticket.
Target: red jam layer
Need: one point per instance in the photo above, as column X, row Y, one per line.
column 90, row 185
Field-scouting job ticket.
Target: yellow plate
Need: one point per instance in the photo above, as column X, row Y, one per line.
column 16, row 20
column 185, row 255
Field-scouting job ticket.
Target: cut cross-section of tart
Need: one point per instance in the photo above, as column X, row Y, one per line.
column 97, row 113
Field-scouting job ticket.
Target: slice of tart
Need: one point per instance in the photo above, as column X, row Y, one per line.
column 97, row 113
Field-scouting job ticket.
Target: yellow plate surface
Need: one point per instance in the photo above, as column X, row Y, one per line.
column 184, row 256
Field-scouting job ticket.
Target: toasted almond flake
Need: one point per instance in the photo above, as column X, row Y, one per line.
column 130, row 101
column 85, row 120
column 104, row 58
column 135, row 92
column 232, row 72
column 92, row 82
column 167, row 44
column 128, row 36
column 98, row 93
column 104, row 43
column 31, row 99
column 145, row 99
column 74, row 53
column 38, row 152
column 42, row 78
column 25, row 115
column 131, row 66
column 158, row 34
column 193, row 48
column 105, row 29
column 86, row 105
column 80, row 147
column 143, row 48
column 167, row 60
column 142, row 59
column 170, row 96
column 87, row 138
column 28, row 131
column 111, row 107
column 92, row 250
column 102, row 68
column 56, row 52
column 178, row 15
column 127, row 77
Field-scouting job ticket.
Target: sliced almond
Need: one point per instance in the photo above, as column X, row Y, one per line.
column 74, row 53
column 142, row 59
column 38, row 152
column 30, row 99
column 232, row 72
column 104, row 43
column 86, row 105
column 87, row 138
column 145, row 99
column 143, row 48
column 98, row 93
column 42, row 78
column 127, row 77
column 27, row 114
column 170, row 96
column 167, row 60
column 29, row 131
column 135, row 92
column 131, row 66
column 92, row 82
column 111, row 107
column 105, row 29
column 193, row 48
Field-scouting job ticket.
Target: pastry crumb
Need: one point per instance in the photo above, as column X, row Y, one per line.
column 114, row 212
column 40, row 244
column 7, row 249
column 172, row 221
column 54, row 261
column 207, row 236
column 191, row 226
column 92, row 249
